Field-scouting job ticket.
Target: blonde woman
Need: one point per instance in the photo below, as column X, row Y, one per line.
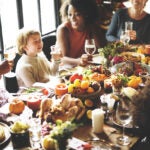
column 140, row 19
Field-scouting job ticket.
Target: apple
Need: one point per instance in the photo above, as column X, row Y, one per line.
column 75, row 76
column 34, row 103
column 49, row 143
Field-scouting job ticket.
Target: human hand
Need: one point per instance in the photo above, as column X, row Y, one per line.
column 6, row 66
column 84, row 60
column 132, row 34
column 56, row 53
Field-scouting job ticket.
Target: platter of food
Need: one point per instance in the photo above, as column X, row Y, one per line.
column 4, row 134
column 132, row 56
column 35, row 92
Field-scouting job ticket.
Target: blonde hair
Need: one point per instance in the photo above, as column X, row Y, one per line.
column 23, row 37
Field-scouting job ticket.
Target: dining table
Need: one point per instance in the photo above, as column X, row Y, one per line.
column 84, row 133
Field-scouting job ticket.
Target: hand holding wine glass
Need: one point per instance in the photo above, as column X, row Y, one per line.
column 90, row 47
column 9, row 55
column 123, row 115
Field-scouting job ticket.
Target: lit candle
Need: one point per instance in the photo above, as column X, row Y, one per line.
column 61, row 89
column 97, row 120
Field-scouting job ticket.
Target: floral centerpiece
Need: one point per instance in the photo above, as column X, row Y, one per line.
column 112, row 52
column 58, row 135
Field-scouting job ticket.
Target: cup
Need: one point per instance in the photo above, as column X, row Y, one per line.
column 144, row 76
column 11, row 83
column 56, row 53
column 128, row 25
column 97, row 120
column 20, row 140
column 35, row 129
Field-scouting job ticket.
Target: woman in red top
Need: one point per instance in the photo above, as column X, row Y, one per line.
column 80, row 21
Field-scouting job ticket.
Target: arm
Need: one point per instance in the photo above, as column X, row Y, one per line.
column 5, row 67
column 63, row 42
column 111, row 34
column 26, row 76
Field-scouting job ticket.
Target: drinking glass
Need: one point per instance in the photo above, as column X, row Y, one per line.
column 35, row 132
column 10, row 54
column 124, row 117
column 128, row 25
column 90, row 47
column 125, row 37
column 56, row 57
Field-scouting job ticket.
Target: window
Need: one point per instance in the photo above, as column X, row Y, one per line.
column 48, row 21
column 37, row 14
column 9, row 22
column 30, row 14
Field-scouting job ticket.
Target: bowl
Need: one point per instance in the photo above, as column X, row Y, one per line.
column 92, row 96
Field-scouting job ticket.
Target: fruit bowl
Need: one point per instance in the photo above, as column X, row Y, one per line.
column 92, row 96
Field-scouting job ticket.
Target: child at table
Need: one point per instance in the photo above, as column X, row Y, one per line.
column 33, row 66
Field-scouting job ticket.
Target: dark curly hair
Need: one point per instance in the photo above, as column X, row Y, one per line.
column 87, row 8
column 141, row 110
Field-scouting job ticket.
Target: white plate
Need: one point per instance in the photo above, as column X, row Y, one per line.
column 7, row 134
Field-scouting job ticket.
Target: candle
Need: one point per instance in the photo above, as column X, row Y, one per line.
column 61, row 89
column 97, row 120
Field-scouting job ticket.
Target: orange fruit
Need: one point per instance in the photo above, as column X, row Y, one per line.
column 88, row 103
column 89, row 114
column 90, row 90
column 84, row 84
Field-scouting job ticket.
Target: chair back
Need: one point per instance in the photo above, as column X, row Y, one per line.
column 48, row 41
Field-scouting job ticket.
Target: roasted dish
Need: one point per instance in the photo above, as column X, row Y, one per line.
column 67, row 108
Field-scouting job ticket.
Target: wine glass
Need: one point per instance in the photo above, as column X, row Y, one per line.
column 90, row 47
column 10, row 54
column 123, row 115
column 125, row 37
column 56, row 55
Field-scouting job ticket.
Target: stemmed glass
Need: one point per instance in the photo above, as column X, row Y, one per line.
column 90, row 47
column 125, row 37
column 9, row 54
column 123, row 115
column 56, row 56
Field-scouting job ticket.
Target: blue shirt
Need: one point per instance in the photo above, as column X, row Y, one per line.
column 142, row 27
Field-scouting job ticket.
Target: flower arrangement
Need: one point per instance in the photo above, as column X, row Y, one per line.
column 59, row 134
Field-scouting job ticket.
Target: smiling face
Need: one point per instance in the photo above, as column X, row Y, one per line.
column 34, row 45
column 76, row 18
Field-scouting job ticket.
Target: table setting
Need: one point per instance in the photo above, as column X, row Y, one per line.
column 78, row 94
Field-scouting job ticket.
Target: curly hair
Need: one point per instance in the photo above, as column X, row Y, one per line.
column 23, row 37
column 141, row 110
column 87, row 8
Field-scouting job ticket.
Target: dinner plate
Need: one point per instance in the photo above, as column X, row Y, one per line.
column 97, row 59
column 7, row 134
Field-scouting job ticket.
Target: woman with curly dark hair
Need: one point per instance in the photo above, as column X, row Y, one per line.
column 141, row 116
column 80, row 20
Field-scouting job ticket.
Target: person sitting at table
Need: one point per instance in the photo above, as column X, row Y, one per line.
column 141, row 116
column 140, row 19
column 33, row 66
column 79, row 21
column 5, row 67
